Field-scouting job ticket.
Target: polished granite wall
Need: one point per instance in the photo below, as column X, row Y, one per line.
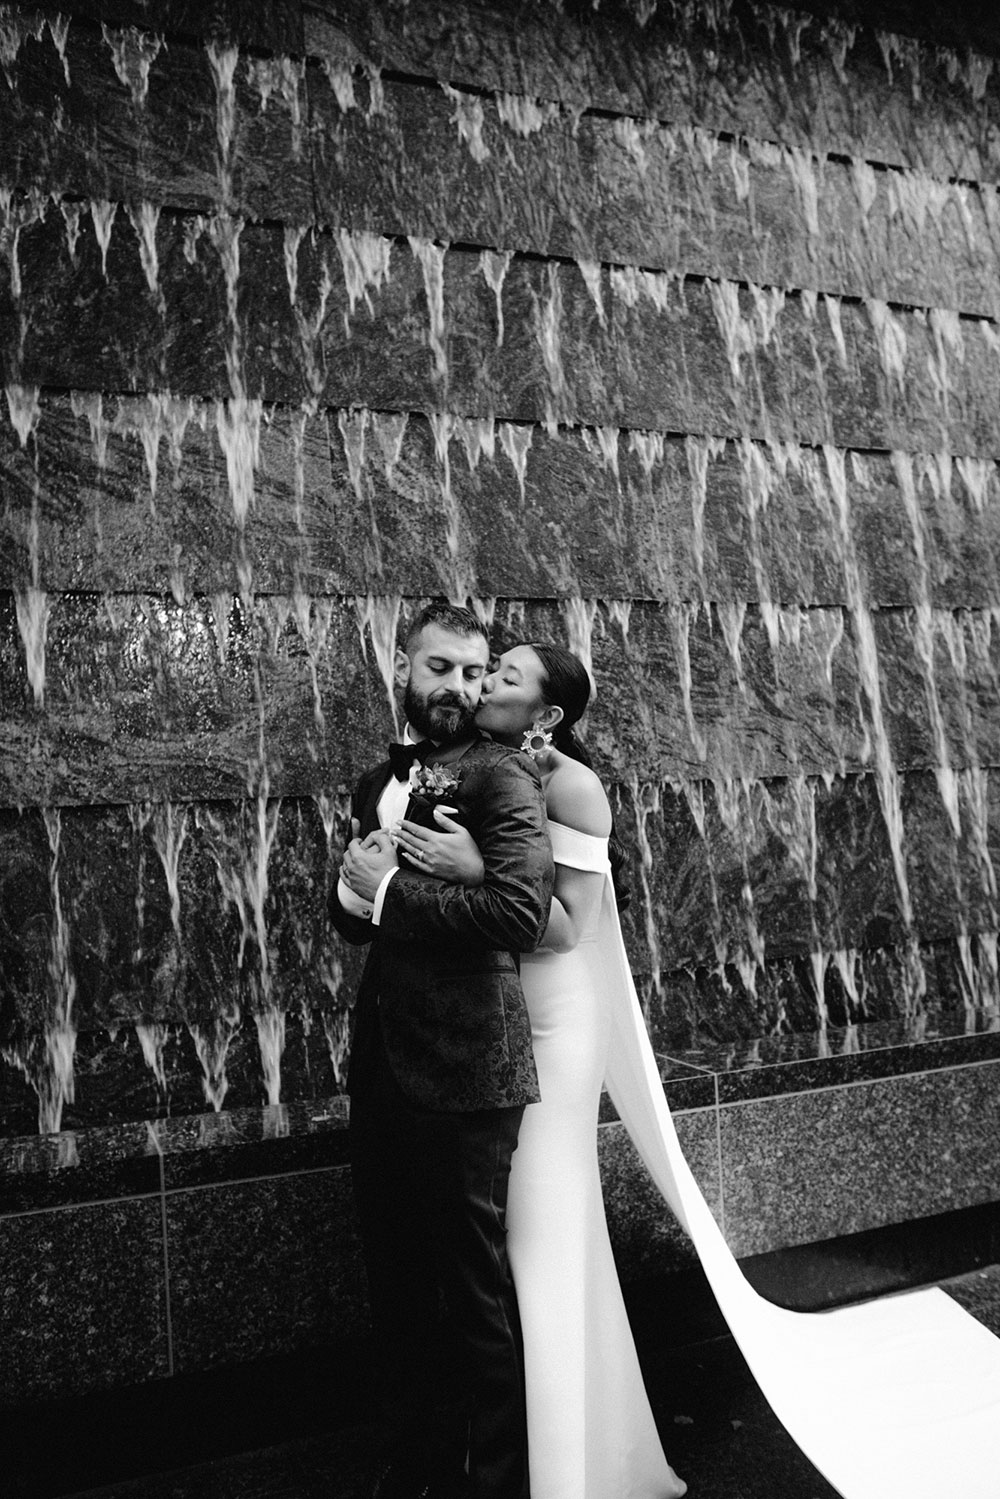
column 666, row 330
column 151, row 1250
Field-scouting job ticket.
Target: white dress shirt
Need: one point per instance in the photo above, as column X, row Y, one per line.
column 392, row 804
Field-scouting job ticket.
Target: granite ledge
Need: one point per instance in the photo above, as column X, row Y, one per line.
column 831, row 1058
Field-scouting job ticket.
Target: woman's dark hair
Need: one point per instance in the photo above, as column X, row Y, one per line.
column 566, row 685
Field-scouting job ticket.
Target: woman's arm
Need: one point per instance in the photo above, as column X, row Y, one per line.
column 450, row 854
column 576, row 900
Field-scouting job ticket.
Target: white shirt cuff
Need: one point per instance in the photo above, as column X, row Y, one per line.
column 380, row 894
column 351, row 902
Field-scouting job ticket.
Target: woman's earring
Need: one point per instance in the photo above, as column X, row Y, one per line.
column 536, row 740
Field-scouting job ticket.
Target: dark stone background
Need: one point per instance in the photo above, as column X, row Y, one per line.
column 669, row 333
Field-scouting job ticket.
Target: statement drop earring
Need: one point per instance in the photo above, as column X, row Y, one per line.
column 536, row 740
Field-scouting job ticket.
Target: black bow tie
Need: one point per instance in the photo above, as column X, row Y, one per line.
column 402, row 756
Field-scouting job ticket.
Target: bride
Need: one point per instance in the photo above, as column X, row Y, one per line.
column 591, row 1433
column 897, row 1398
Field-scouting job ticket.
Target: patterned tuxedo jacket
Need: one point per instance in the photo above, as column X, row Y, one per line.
column 441, row 979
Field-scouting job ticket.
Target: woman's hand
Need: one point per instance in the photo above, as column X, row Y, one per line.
column 450, row 855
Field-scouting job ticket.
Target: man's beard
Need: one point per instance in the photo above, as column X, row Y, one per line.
column 446, row 719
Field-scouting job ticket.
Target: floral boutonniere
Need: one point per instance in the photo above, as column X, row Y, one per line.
column 433, row 783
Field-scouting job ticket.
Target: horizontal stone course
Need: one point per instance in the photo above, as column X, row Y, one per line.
column 593, row 189
column 260, row 1254
column 807, row 82
column 139, row 698
column 132, row 495
column 674, row 356
column 846, row 1160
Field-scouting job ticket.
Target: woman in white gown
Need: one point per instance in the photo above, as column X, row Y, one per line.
column 591, row 1433
column 897, row 1398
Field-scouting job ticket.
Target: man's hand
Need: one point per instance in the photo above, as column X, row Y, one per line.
column 366, row 864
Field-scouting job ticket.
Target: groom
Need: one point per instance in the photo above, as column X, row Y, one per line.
column 441, row 1069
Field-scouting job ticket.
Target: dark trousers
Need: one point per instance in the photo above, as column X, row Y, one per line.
column 431, row 1192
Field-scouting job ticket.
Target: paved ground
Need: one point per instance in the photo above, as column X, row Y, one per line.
column 717, row 1430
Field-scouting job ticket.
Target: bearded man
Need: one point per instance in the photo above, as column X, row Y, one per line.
column 441, row 1071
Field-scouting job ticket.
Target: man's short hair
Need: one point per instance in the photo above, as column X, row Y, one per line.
column 450, row 617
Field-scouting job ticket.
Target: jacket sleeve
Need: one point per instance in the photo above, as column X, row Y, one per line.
column 354, row 929
column 510, row 909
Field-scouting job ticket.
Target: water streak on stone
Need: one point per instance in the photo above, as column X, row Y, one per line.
column 430, row 257
column 650, row 448
column 631, row 285
column 494, row 266
column 832, row 306
column 924, row 633
column 313, row 619
column 17, row 214
column 379, row 618
column 515, row 440
column 647, row 801
column 222, row 62
column 24, row 410
column 281, row 77
column 211, row 1043
column 237, row 423
column 949, row 347
column 292, row 239
column 389, row 431
column 979, row 477
column 682, row 616
column 353, row 425
column 365, row 258
column 579, row 616
column 103, row 214
column 469, row 120
column 590, row 270
column 15, row 29
column 802, row 169
column 152, row 1036
column 525, row 116
column 890, row 341
column 478, row 436
column 548, row 332
column 133, row 53
column 72, row 214
column 56, row 1083
column 32, row 607
column 144, row 220
column 170, row 830
column 699, row 451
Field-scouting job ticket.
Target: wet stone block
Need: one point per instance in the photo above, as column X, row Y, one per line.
column 646, row 1238
column 93, row 1277
column 593, row 189
column 807, row 83
column 275, row 27
column 263, row 1267
column 844, row 1160
column 134, row 495
column 211, row 700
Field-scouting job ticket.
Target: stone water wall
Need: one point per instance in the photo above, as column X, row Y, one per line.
column 668, row 331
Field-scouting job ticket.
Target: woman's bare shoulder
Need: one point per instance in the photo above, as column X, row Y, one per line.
column 575, row 797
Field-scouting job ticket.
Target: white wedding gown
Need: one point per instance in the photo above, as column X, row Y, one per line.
column 890, row 1399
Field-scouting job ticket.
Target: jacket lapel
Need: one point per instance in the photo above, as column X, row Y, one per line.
column 368, row 815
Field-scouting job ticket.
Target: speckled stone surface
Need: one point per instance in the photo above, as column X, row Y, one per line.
column 770, row 1065
column 241, row 1144
column 82, row 1299
column 262, row 1267
column 645, row 1235
column 809, row 1166
column 39, row 1171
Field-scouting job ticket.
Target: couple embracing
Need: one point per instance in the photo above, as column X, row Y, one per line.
column 504, row 1357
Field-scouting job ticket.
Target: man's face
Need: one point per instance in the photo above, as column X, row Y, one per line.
column 443, row 683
